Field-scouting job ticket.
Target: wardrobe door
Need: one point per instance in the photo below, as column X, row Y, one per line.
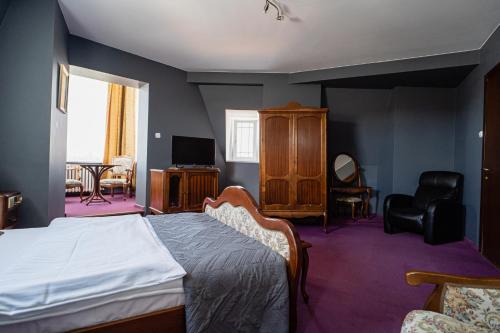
column 276, row 161
column 310, row 157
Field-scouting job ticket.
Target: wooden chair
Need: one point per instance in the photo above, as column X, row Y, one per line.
column 121, row 175
column 73, row 180
column 462, row 304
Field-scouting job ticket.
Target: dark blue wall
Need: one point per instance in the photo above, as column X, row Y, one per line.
column 424, row 129
column 217, row 99
column 32, row 41
column 175, row 106
column 360, row 123
column 58, row 122
column 395, row 134
column 4, row 4
column 469, row 120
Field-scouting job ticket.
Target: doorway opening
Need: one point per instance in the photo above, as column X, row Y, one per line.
column 106, row 144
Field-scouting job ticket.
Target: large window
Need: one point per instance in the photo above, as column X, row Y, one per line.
column 87, row 103
column 242, row 136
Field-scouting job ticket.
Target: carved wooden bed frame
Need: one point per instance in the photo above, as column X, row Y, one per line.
column 172, row 320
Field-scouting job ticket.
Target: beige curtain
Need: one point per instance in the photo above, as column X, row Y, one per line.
column 120, row 122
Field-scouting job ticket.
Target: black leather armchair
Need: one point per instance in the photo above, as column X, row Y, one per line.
column 436, row 209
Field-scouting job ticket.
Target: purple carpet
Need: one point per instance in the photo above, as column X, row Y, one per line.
column 118, row 206
column 356, row 276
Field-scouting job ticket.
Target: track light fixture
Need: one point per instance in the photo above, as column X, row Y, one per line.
column 276, row 5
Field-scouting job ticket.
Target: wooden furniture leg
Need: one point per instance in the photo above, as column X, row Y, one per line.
column 325, row 221
column 305, row 267
column 81, row 193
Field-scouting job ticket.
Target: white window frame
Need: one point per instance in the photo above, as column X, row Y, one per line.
column 232, row 118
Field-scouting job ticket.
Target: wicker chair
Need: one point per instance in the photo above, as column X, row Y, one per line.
column 121, row 175
column 74, row 174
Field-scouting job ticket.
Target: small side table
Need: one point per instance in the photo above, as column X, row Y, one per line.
column 305, row 267
column 9, row 204
column 364, row 192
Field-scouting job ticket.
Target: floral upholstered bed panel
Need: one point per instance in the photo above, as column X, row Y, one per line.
column 240, row 219
column 477, row 306
column 420, row 321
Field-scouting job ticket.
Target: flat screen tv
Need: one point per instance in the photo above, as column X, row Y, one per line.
column 192, row 151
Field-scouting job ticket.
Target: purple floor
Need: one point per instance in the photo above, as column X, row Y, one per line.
column 356, row 276
column 118, row 206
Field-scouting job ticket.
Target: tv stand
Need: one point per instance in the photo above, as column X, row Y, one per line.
column 182, row 189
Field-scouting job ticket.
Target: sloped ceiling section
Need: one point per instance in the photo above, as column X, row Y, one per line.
column 221, row 35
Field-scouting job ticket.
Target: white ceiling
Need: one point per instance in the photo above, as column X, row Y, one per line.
column 236, row 35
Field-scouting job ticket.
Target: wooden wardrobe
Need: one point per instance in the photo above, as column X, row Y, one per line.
column 293, row 163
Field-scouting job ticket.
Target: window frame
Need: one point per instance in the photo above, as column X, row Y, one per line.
column 232, row 118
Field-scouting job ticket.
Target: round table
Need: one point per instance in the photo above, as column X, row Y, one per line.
column 96, row 170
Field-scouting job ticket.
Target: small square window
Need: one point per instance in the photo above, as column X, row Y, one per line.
column 242, row 136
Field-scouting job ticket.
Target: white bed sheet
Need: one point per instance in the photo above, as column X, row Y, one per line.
column 172, row 294
column 65, row 313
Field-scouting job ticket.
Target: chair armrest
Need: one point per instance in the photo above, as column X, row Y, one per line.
column 398, row 200
column 416, row 278
column 444, row 221
column 433, row 303
column 394, row 201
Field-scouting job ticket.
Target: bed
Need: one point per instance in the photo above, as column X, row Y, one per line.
column 217, row 258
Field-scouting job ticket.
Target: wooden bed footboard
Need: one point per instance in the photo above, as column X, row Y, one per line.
column 236, row 207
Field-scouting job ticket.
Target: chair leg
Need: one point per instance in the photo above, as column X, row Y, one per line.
column 112, row 191
column 81, row 193
column 303, row 278
column 353, row 210
column 124, row 192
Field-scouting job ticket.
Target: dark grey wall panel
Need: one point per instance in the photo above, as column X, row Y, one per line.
column 424, row 129
column 227, row 78
column 395, row 134
column 278, row 92
column 468, row 152
column 449, row 77
column 58, row 123
column 4, row 4
column 26, row 83
column 388, row 67
column 175, row 106
column 217, row 99
column 357, row 122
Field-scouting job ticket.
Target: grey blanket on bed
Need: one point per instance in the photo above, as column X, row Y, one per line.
column 233, row 283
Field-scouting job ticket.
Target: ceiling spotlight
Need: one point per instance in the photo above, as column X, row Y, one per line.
column 276, row 5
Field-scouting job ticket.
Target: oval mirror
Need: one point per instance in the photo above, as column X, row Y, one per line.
column 345, row 168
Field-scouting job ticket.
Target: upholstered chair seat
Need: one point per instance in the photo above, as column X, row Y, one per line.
column 116, row 181
column 121, row 175
column 421, row 321
column 409, row 218
column 436, row 209
column 73, row 182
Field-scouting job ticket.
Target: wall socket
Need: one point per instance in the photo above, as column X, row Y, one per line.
column 157, row 135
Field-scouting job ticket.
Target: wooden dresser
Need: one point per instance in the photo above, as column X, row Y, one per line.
column 293, row 163
column 182, row 189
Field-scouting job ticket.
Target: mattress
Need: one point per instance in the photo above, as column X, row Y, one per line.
column 38, row 307
column 112, row 308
